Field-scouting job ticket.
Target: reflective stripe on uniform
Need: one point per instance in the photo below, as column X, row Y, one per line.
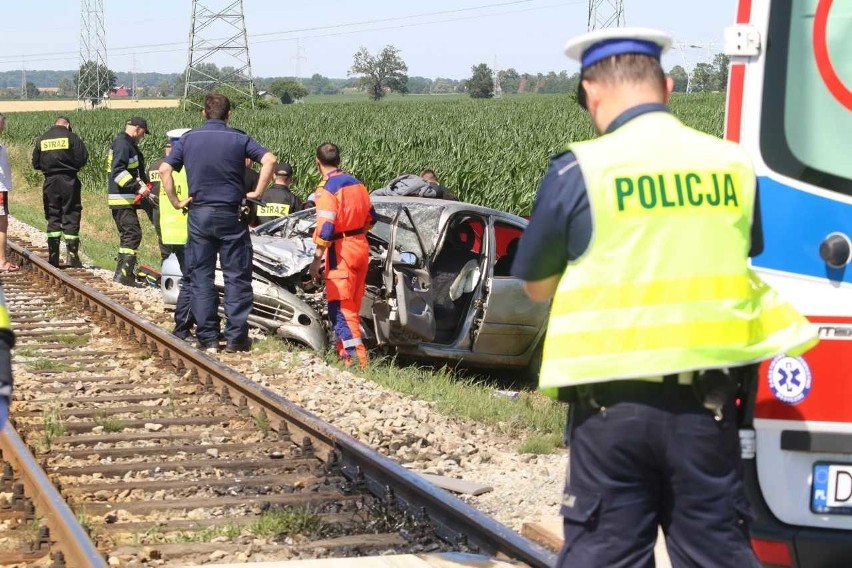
column 123, row 178
column 121, row 198
column 352, row 342
column 71, row 237
column 5, row 322
column 51, row 234
column 123, row 250
column 323, row 214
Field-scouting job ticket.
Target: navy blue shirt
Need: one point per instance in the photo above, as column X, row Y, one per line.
column 214, row 155
column 560, row 228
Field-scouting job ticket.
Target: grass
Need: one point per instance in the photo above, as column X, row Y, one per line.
column 109, row 424
column 45, row 364
column 286, row 522
column 53, row 427
column 70, row 338
column 540, row 444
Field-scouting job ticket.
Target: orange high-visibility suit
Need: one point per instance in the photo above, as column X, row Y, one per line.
column 344, row 215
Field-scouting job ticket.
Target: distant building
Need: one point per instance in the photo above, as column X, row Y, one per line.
column 118, row 92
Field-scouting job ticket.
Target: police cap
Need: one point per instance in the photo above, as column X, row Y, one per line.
column 598, row 45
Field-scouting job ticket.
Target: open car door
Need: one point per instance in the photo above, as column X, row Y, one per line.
column 405, row 314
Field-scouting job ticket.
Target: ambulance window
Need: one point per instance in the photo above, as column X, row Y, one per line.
column 805, row 128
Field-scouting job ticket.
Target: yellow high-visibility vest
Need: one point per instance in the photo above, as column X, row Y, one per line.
column 173, row 221
column 665, row 285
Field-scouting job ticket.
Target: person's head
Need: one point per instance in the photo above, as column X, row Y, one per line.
column 429, row 175
column 620, row 69
column 217, row 107
column 136, row 128
column 328, row 157
column 172, row 136
column 63, row 122
column 2, row 122
column 461, row 236
column 283, row 173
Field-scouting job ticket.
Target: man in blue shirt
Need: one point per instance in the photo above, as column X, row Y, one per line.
column 214, row 155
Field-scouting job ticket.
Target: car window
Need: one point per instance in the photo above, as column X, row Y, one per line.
column 425, row 218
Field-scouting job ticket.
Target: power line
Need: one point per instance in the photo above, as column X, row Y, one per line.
column 171, row 47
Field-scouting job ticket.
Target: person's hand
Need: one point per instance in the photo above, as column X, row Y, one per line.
column 182, row 204
column 254, row 195
column 316, row 268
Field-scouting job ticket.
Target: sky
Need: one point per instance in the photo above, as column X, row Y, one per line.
column 439, row 38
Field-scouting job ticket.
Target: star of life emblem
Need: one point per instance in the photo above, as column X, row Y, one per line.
column 790, row 379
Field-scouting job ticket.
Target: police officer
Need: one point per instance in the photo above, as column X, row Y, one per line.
column 344, row 215
column 652, row 322
column 173, row 231
column 128, row 185
column 214, row 156
column 59, row 154
column 278, row 200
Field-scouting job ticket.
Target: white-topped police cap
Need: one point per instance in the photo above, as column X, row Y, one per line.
column 598, row 45
column 176, row 133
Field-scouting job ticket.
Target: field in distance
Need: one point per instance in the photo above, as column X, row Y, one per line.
column 64, row 104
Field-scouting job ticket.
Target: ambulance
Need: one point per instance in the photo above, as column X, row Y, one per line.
column 789, row 103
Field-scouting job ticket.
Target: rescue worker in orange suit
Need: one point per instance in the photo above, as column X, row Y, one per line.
column 344, row 215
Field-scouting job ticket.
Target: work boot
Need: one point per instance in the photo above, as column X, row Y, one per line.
column 53, row 251
column 73, row 248
column 125, row 270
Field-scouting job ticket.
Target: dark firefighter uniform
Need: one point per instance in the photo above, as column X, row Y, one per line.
column 59, row 154
column 278, row 201
column 127, row 178
column 344, row 215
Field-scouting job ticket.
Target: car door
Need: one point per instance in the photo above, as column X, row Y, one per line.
column 405, row 314
column 506, row 321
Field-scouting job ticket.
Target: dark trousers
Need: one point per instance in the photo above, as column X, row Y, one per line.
column 62, row 205
column 184, row 321
column 217, row 231
column 644, row 455
column 129, row 230
column 152, row 211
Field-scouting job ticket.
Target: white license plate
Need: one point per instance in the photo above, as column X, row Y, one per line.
column 831, row 490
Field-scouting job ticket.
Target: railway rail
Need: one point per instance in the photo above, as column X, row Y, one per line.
column 163, row 454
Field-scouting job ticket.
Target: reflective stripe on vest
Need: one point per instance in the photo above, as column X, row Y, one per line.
column 665, row 285
column 173, row 221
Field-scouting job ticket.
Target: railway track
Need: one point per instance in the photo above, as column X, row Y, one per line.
column 166, row 456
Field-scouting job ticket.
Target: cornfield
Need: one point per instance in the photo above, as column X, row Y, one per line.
column 489, row 152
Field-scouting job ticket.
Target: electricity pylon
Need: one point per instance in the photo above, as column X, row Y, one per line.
column 93, row 76
column 605, row 14
column 218, row 28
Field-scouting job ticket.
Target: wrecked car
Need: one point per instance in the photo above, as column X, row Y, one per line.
column 438, row 284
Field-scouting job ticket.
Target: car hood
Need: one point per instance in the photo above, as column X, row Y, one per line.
column 283, row 257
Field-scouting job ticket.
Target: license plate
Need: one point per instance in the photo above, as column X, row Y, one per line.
column 831, row 490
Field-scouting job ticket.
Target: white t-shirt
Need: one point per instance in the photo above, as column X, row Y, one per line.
column 5, row 170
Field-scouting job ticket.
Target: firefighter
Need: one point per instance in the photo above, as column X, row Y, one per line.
column 173, row 231
column 128, row 185
column 151, row 204
column 344, row 215
column 214, row 157
column 278, row 200
column 7, row 342
column 653, row 321
column 60, row 154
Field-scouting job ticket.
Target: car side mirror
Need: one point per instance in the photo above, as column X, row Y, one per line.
column 408, row 258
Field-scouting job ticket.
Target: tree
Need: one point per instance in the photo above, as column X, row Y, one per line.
column 481, row 83
column 385, row 71
column 680, row 78
column 319, row 85
column 419, row 85
column 32, row 90
column 96, row 80
column 509, row 80
column 65, row 87
column 288, row 90
column 720, row 72
column 702, row 78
